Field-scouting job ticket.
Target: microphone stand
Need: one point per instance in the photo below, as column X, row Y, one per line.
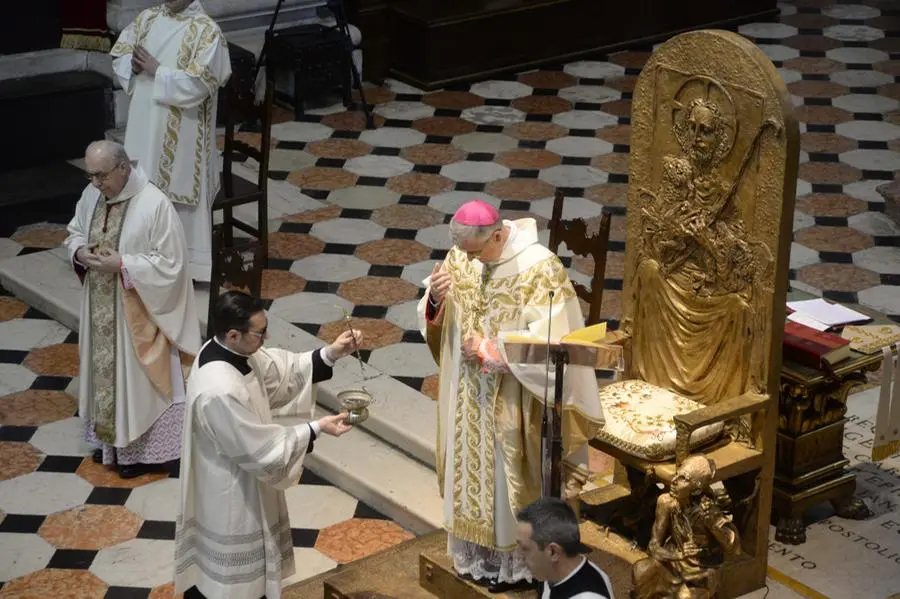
column 551, row 429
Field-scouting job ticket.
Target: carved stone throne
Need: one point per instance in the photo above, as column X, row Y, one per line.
column 714, row 152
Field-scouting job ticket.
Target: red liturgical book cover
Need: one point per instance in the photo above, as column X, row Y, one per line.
column 807, row 346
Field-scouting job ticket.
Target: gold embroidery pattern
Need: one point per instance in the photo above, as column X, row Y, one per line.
column 103, row 320
column 485, row 303
column 142, row 25
column 173, row 123
column 211, row 35
column 202, row 33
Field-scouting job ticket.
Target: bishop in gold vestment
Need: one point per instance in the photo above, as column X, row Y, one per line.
column 495, row 281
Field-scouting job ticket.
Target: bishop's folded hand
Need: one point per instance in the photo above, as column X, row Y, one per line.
column 471, row 346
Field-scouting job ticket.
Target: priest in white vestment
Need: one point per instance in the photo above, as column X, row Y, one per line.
column 138, row 319
column 172, row 60
column 497, row 280
column 232, row 535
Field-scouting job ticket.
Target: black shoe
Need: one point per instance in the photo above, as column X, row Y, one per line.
column 136, row 470
column 482, row 582
column 98, row 456
column 511, row 587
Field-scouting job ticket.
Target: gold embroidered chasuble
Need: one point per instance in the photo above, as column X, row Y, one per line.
column 131, row 339
column 488, row 445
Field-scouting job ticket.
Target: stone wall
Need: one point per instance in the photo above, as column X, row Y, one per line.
column 231, row 15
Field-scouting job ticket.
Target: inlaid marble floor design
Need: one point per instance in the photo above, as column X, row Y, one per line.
column 360, row 216
column 70, row 528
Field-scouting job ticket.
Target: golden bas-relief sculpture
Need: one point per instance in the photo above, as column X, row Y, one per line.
column 699, row 268
column 713, row 166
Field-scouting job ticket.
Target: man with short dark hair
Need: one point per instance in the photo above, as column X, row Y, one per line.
column 551, row 543
column 233, row 537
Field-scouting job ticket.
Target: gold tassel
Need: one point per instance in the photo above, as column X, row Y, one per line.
column 80, row 41
column 479, row 533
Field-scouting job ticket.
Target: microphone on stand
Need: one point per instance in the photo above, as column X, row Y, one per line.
column 547, row 378
column 546, row 426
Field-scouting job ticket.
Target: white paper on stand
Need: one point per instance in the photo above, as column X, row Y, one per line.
column 801, row 318
column 831, row 315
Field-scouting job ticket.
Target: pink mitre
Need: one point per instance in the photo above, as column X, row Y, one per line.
column 476, row 214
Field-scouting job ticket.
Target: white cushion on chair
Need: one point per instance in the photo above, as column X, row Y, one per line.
column 639, row 420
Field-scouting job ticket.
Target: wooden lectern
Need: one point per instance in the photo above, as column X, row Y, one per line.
column 587, row 347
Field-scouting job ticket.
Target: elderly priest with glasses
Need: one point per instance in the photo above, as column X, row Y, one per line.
column 138, row 319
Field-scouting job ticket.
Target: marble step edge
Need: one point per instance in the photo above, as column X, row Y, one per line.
column 362, row 463
column 400, row 417
column 400, row 487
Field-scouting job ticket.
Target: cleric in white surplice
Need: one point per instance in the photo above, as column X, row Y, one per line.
column 172, row 60
column 138, row 318
column 233, row 537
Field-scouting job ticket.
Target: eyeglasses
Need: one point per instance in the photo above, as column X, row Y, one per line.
column 101, row 176
column 261, row 334
column 472, row 255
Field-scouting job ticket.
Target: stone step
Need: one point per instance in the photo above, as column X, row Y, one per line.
column 374, row 472
column 46, row 282
column 387, row 462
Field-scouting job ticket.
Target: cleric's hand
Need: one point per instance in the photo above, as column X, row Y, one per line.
column 471, row 346
column 144, row 61
column 344, row 344
column 104, row 260
column 334, row 425
column 82, row 253
column 440, row 283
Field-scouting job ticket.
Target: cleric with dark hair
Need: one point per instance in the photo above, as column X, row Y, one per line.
column 233, row 537
column 551, row 543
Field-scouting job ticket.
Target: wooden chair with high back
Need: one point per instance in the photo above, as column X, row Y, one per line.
column 574, row 233
column 238, row 261
column 713, row 169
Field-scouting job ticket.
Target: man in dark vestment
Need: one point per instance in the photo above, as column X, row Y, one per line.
column 551, row 542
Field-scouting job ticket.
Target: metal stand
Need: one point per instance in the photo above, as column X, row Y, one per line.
column 551, row 429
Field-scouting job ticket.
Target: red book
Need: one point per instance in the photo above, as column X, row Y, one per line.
column 807, row 346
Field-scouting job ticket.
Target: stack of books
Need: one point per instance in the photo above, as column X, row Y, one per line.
column 808, row 339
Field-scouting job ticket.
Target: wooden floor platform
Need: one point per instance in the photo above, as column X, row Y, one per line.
column 395, row 573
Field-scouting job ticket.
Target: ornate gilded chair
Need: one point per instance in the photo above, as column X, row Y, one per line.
column 714, row 152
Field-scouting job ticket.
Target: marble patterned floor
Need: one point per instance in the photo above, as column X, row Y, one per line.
column 70, row 528
column 360, row 216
